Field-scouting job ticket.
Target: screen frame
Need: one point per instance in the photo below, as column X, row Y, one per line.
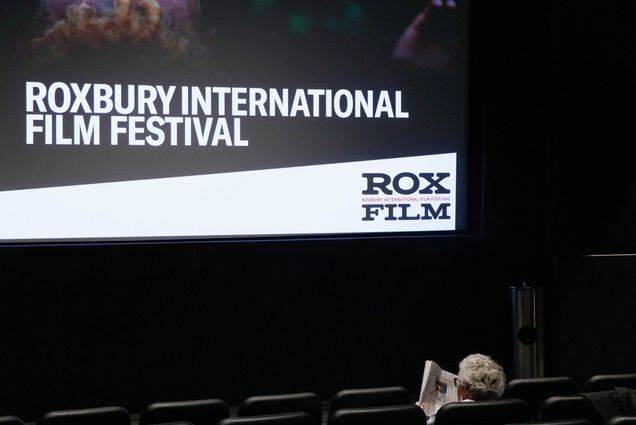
column 469, row 197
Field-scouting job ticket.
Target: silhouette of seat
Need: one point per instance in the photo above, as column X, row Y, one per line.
column 295, row 418
column 368, row 397
column 562, row 422
column 285, row 403
column 564, row 407
column 175, row 423
column 99, row 416
column 10, row 420
column 196, row 412
column 622, row 420
column 407, row 414
column 491, row 412
column 536, row 390
column 608, row 382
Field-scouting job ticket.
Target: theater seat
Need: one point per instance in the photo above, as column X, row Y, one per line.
column 197, row 412
column 492, row 412
column 285, row 403
column 10, row 420
column 100, row 416
column 536, row 390
column 622, row 420
column 608, row 382
column 368, row 397
column 296, row 418
column 175, row 423
column 563, row 422
column 564, row 407
column 407, row 414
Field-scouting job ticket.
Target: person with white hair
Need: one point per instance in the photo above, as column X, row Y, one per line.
column 480, row 378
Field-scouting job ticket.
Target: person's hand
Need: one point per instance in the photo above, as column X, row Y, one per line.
column 426, row 42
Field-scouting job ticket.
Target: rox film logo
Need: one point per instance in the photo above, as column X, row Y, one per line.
column 408, row 187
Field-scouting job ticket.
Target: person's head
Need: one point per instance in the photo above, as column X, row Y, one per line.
column 480, row 378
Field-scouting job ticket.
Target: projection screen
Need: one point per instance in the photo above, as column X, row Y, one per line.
column 180, row 119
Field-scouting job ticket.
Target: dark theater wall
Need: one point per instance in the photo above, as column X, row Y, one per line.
column 131, row 325
column 595, row 192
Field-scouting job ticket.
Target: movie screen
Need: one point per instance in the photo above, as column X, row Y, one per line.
column 187, row 119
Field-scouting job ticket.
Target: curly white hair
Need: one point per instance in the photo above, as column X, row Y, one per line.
column 483, row 377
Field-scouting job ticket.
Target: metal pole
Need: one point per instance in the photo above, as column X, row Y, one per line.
column 527, row 320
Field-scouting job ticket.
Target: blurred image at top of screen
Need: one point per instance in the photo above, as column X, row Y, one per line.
column 156, row 28
column 425, row 34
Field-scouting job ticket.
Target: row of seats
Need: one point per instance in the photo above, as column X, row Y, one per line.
column 525, row 400
column 558, row 398
column 287, row 409
column 537, row 390
column 496, row 412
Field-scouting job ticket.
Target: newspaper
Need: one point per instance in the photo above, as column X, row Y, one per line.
column 438, row 388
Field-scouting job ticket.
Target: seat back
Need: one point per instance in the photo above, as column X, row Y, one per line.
column 563, row 422
column 564, row 407
column 491, row 412
column 608, row 382
column 536, row 390
column 175, row 423
column 10, row 420
column 100, row 416
column 622, row 420
column 295, row 418
column 285, row 403
column 197, row 412
column 368, row 397
column 407, row 414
